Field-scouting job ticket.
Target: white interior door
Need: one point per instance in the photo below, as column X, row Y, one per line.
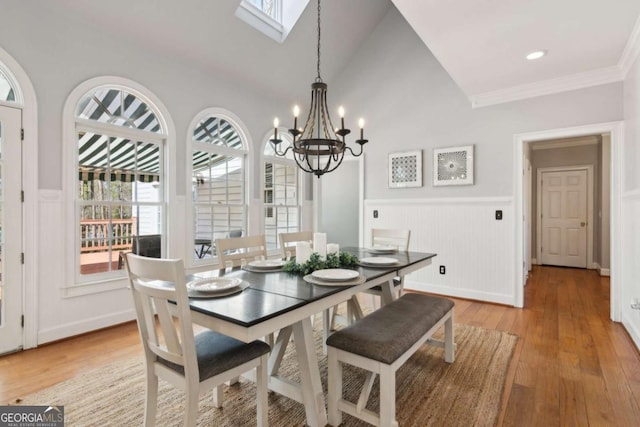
column 10, row 229
column 564, row 218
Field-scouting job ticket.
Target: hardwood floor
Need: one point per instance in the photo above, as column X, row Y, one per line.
column 572, row 365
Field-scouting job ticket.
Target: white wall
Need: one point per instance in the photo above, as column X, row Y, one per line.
column 410, row 102
column 630, row 211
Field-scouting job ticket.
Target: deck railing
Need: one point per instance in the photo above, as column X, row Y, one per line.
column 96, row 234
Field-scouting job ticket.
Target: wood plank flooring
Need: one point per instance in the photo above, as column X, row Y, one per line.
column 572, row 365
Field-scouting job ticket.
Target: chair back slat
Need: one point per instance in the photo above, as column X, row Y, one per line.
column 288, row 241
column 390, row 237
column 160, row 295
column 236, row 251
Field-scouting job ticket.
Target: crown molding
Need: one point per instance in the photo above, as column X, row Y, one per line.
column 548, row 87
column 631, row 50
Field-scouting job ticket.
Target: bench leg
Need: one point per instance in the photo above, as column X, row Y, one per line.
column 334, row 386
column 449, row 345
column 387, row 397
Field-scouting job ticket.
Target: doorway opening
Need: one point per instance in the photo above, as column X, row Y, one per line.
column 608, row 139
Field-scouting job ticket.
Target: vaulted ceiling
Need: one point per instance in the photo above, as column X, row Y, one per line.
column 481, row 43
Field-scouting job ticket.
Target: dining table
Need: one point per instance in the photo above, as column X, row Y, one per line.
column 274, row 301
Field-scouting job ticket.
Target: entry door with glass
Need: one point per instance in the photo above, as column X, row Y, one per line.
column 10, row 229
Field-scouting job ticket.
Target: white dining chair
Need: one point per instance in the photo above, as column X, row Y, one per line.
column 192, row 363
column 391, row 237
column 397, row 238
column 288, row 242
column 239, row 251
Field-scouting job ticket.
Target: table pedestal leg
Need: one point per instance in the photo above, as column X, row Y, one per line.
column 309, row 374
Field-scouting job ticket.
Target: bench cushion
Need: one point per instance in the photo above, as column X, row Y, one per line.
column 387, row 333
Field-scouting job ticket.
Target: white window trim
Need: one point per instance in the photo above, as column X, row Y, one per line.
column 192, row 145
column 261, row 21
column 74, row 285
column 290, row 12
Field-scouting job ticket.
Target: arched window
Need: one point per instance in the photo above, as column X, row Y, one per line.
column 7, row 92
column 280, row 193
column 120, row 145
column 218, row 165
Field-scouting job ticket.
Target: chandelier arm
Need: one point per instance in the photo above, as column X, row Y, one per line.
column 354, row 154
column 276, row 148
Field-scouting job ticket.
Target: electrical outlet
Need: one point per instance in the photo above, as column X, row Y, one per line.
column 498, row 215
column 375, row 213
column 443, row 269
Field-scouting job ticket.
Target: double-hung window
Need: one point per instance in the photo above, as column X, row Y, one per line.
column 119, row 201
column 280, row 194
column 218, row 183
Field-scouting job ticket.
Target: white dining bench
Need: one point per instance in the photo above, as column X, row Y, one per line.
column 381, row 343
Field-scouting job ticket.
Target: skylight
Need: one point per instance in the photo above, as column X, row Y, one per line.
column 273, row 18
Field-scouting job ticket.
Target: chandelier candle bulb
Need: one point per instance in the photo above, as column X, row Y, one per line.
column 303, row 252
column 341, row 114
column 276, row 123
column 333, row 248
column 361, row 124
column 320, row 244
column 296, row 112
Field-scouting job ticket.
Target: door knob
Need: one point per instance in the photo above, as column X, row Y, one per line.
column 582, row 224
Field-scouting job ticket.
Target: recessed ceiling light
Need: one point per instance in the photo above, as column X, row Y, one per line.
column 536, row 55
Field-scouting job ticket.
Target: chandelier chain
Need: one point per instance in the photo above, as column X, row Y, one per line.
column 318, row 78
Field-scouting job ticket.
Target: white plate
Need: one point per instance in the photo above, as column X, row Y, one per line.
column 378, row 261
column 267, row 264
column 226, row 293
column 310, row 279
column 335, row 274
column 213, row 285
column 383, row 249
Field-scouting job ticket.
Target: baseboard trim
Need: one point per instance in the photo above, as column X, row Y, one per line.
column 88, row 325
column 604, row 272
column 631, row 330
column 460, row 293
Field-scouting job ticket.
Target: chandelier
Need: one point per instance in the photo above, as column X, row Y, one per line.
column 318, row 147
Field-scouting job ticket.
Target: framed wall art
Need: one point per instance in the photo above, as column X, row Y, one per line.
column 405, row 169
column 453, row 166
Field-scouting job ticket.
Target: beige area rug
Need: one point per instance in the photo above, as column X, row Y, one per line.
column 429, row 392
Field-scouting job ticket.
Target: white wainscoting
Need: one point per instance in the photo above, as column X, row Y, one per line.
column 476, row 249
column 63, row 308
column 629, row 277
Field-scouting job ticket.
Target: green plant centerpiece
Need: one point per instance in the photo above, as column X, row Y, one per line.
column 344, row 260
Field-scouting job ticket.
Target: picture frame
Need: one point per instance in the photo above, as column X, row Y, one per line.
column 405, row 169
column 453, row 165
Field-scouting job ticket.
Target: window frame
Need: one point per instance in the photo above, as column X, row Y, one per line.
column 244, row 153
column 284, row 161
column 77, row 284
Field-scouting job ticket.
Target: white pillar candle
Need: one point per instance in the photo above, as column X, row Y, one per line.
column 333, row 248
column 303, row 252
column 320, row 244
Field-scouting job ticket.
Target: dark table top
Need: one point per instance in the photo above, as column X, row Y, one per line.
column 274, row 293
